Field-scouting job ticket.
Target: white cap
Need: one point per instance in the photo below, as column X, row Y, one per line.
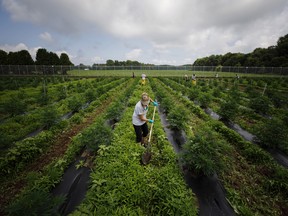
column 145, row 99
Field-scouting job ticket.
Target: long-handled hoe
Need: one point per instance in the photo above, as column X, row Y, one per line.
column 146, row 157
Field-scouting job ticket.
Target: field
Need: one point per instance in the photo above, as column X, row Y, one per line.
column 80, row 126
column 162, row 73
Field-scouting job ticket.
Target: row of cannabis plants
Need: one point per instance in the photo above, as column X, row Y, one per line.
column 121, row 185
column 25, row 150
column 15, row 83
column 27, row 99
column 254, row 183
column 253, row 111
column 20, row 126
column 36, row 197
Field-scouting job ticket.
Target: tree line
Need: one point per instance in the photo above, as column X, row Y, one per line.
column 21, row 62
column 43, row 57
column 111, row 62
column 273, row 56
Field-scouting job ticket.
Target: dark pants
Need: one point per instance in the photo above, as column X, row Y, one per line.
column 141, row 131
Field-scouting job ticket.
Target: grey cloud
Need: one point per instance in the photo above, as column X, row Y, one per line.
column 203, row 26
column 165, row 18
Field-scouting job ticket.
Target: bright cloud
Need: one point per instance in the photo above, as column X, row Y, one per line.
column 134, row 54
column 18, row 47
column 98, row 59
column 13, row 48
column 46, row 37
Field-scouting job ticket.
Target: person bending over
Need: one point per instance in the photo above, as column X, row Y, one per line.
column 139, row 119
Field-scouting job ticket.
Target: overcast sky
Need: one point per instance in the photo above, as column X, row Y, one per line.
column 150, row 31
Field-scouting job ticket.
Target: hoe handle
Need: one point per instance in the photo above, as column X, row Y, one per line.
column 152, row 125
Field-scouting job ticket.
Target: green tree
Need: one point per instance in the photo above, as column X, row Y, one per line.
column 25, row 58
column 3, row 57
column 53, row 59
column 42, row 57
column 251, row 60
column 282, row 46
column 22, row 57
column 110, row 62
column 233, row 59
column 64, row 59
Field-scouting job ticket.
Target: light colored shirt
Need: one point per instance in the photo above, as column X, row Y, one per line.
column 139, row 110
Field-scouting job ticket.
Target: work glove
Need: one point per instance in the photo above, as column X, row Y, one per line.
column 155, row 103
column 150, row 120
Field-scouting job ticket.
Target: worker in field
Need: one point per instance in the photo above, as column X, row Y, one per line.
column 186, row 77
column 143, row 79
column 139, row 119
column 194, row 79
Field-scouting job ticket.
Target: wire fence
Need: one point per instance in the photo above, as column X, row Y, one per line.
column 64, row 69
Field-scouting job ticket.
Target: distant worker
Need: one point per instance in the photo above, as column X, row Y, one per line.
column 216, row 75
column 133, row 75
column 143, row 79
column 194, row 79
column 139, row 119
column 186, row 77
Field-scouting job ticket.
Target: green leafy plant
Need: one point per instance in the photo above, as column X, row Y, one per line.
column 273, row 133
column 234, row 93
column 61, row 92
column 166, row 104
column 216, row 92
column 200, row 153
column 49, row 116
column 115, row 110
column 75, row 103
column 38, row 202
column 252, row 93
column 77, row 118
column 260, row 105
column 99, row 134
column 204, row 99
column 228, row 110
column 278, row 99
column 80, row 164
column 89, row 94
column 15, row 105
column 193, row 93
column 177, row 118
